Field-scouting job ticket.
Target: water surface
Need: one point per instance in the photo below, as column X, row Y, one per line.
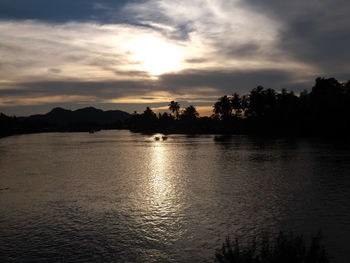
column 114, row 196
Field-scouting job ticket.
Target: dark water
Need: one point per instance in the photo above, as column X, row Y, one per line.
column 114, row 196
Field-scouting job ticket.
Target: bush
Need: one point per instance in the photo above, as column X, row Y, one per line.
column 280, row 248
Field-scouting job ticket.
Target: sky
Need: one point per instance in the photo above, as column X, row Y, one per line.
column 131, row 54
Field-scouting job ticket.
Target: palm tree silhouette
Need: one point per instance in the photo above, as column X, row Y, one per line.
column 174, row 107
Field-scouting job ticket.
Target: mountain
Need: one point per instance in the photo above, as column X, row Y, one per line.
column 89, row 115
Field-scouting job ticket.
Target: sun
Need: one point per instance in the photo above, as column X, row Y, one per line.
column 154, row 55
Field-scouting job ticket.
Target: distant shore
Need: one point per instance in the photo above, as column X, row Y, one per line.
column 325, row 111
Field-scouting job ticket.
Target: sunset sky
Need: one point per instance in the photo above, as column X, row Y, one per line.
column 131, row 54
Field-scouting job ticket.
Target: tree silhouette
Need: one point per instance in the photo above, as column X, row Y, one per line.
column 261, row 102
column 149, row 115
column 236, row 104
column 174, row 107
column 223, row 107
column 190, row 113
column 325, row 110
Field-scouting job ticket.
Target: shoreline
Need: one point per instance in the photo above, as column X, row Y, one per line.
column 221, row 136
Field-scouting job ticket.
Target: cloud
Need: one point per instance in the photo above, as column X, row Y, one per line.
column 60, row 11
column 216, row 23
column 210, row 83
column 199, row 87
column 81, row 51
column 316, row 32
column 54, row 70
column 225, row 35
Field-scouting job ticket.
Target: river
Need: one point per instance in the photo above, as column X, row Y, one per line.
column 116, row 196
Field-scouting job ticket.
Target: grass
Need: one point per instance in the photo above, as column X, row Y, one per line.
column 281, row 248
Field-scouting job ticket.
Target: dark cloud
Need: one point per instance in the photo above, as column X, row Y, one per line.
column 196, row 60
column 60, row 11
column 315, row 32
column 102, row 90
column 241, row 51
column 227, row 82
column 177, row 32
column 54, row 70
column 195, row 82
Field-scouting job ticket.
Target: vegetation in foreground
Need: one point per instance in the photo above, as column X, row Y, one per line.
column 281, row 248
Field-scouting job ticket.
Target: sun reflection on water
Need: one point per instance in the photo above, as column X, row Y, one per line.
column 160, row 182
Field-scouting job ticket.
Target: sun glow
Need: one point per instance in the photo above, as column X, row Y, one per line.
column 160, row 183
column 154, row 55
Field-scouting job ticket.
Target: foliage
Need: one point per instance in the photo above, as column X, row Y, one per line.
column 149, row 115
column 280, row 248
column 323, row 111
column 190, row 113
column 236, row 104
column 223, row 107
column 174, row 107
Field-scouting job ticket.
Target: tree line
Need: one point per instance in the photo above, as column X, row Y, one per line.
column 324, row 110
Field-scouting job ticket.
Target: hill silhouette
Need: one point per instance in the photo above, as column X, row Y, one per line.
column 90, row 115
column 63, row 120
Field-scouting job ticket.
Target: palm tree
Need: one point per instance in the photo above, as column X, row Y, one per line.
column 174, row 107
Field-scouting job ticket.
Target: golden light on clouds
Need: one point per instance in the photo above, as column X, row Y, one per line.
column 154, row 55
column 177, row 49
column 5, row 101
column 202, row 110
